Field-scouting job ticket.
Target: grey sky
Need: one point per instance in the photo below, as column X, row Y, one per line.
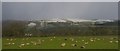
column 60, row 0
column 46, row 10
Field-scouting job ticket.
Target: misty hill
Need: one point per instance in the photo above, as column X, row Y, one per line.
column 15, row 28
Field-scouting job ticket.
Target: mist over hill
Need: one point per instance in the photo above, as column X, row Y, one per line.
column 49, row 10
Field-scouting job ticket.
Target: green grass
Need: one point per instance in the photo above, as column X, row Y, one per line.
column 0, row 43
column 55, row 43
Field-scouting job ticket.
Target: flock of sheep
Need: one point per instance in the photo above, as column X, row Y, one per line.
column 10, row 41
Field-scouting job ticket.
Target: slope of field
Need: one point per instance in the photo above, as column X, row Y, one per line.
column 84, row 42
column 0, row 44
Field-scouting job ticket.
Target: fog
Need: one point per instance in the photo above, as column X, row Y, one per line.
column 49, row 10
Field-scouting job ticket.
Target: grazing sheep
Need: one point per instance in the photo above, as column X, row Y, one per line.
column 27, row 43
column 7, row 39
column 30, row 34
column 13, row 43
column 82, row 46
column 43, row 40
column 65, row 39
column 111, row 41
column 83, row 40
column 54, row 37
column 116, row 41
column 86, row 43
column 72, row 39
column 91, row 40
column 73, row 45
column 34, row 43
column 98, row 39
column 21, row 45
column 11, row 39
column 51, row 39
column 76, row 41
column 63, row 44
column 9, row 43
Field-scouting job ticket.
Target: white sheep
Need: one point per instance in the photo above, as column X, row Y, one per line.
column 7, row 39
column 82, row 46
column 11, row 39
column 73, row 45
column 34, row 43
column 91, row 40
column 71, row 39
column 83, row 40
column 63, row 44
column 43, row 40
column 27, row 43
column 98, row 39
column 51, row 39
column 111, row 41
column 86, row 43
column 76, row 41
column 116, row 41
column 54, row 37
column 9, row 43
column 21, row 45
column 13, row 43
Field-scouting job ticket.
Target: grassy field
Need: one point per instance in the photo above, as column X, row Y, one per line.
column 87, row 42
column 0, row 43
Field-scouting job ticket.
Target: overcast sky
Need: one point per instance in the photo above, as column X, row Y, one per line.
column 60, row 0
column 48, row 10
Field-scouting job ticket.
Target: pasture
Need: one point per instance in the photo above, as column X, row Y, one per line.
column 75, row 42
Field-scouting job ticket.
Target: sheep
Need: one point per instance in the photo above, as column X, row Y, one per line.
column 54, row 37
column 76, row 41
column 82, row 46
column 83, row 40
column 21, row 45
column 11, row 39
column 116, row 41
column 9, row 43
column 86, row 43
column 13, row 43
column 91, row 40
column 72, row 39
column 27, row 43
column 65, row 39
column 51, row 39
column 7, row 39
column 30, row 34
column 63, row 44
column 43, row 40
column 34, row 43
column 111, row 41
column 98, row 39
column 73, row 45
